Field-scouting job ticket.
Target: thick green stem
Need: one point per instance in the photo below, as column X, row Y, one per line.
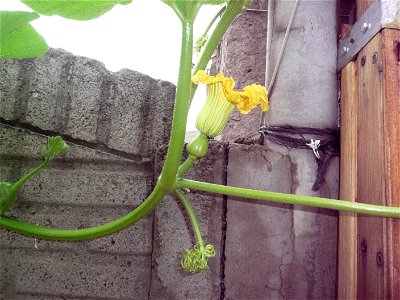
column 176, row 143
column 183, row 168
column 232, row 10
column 87, row 233
column 26, row 177
column 218, row 14
column 361, row 208
column 192, row 216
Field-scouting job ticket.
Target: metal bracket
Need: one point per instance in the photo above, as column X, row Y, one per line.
column 380, row 14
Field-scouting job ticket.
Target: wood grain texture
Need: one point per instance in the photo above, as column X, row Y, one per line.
column 391, row 66
column 347, row 250
column 370, row 170
column 362, row 6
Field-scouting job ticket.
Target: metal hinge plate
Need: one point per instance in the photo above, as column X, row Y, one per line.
column 380, row 14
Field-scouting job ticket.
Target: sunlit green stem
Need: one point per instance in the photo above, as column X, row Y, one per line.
column 192, row 216
column 33, row 172
column 183, row 168
column 176, row 143
column 87, row 233
column 219, row 13
column 232, row 10
column 361, row 208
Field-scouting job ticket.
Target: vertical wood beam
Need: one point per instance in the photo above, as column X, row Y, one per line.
column 370, row 170
column 347, row 268
column 391, row 96
column 369, row 248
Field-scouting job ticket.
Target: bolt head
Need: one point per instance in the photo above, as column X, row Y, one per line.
column 365, row 26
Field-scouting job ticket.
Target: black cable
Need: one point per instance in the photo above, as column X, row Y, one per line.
column 325, row 146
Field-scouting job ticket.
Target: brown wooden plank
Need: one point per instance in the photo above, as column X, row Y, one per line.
column 391, row 66
column 371, row 283
column 362, row 6
column 347, row 250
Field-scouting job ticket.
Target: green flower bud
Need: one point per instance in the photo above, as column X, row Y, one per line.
column 198, row 146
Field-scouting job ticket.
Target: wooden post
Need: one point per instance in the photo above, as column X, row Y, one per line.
column 369, row 247
column 347, row 258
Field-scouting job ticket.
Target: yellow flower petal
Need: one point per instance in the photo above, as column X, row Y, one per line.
column 244, row 101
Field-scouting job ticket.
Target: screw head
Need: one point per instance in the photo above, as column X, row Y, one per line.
column 365, row 26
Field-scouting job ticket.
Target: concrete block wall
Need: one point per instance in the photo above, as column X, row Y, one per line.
column 276, row 251
column 291, row 250
column 77, row 97
column 114, row 122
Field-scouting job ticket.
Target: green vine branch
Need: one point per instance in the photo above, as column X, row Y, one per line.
column 356, row 207
column 194, row 260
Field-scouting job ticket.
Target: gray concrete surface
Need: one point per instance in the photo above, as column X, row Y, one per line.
column 291, row 251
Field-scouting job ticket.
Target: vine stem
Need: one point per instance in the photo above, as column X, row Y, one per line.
column 217, row 15
column 361, row 208
column 185, row 166
column 29, row 175
column 191, row 214
column 176, row 142
column 86, row 233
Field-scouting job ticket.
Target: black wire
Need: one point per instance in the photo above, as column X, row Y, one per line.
column 328, row 146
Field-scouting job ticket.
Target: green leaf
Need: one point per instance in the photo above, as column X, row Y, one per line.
column 55, row 147
column 213, row 2
column 7, row 196
column 74, row 9
column 18, row 38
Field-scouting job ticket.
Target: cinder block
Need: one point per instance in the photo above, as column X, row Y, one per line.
column 259, row 239
column 85, row 88
column 173, row 233
column 81, row 275
column 79, row 184
column 9, row 85
column 310, row 99
column 277, row 251
column 76, row 96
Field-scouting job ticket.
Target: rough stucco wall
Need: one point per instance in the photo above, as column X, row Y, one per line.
column 291, row 251
column 113, row 132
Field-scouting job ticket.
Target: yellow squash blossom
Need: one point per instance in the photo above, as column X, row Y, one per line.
column 222, row 99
